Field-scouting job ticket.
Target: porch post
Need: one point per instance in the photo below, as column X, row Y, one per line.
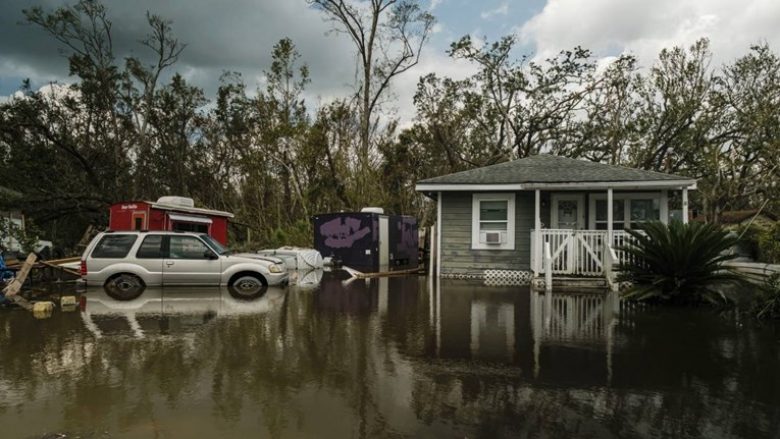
column 685, row 205
column 609, row 216
column 664, row 207
column 537, row 233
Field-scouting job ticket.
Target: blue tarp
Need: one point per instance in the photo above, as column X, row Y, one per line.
column 5, row 273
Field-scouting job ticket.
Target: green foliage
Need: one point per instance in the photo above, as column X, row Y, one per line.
column 763, row 242
column 679, row 263
column 681, row 115
column 767, row 300
column 769, row 244
column 748, row 240
column 126, row 129
column 388, row 36
column 298, row 234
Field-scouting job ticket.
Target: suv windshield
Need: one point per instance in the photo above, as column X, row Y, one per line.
column 219, row 248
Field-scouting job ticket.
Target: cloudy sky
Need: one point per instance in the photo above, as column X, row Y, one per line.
column 237, row 35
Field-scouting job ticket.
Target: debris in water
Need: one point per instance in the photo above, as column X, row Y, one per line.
column 42, row 310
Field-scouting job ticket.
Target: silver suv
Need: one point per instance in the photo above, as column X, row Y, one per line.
column 124, row 262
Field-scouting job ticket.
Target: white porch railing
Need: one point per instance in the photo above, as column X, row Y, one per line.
column 577, row 252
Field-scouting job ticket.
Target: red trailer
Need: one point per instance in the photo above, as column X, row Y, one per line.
column 169, row 213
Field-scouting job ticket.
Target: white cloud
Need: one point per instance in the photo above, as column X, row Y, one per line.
column 503, row 9
column 435, row 3
column 644, row 28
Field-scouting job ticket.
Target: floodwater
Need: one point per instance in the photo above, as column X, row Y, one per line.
column 386, row 358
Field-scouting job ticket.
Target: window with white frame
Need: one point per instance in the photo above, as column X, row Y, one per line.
column 618, row 215
column 628, row 210
column 643, row 210
column 493, row 221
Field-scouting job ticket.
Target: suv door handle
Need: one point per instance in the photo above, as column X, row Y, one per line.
column 169, row 263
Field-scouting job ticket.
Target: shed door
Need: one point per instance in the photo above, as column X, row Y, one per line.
column 139, row 221
column 384, row 243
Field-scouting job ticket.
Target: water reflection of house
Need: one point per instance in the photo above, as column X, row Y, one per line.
column 474, row 323
column 492, row 329
column 574, row 325
column 573, row 318
column 544, row 334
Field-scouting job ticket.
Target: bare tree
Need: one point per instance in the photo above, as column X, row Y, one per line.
column 389, row 36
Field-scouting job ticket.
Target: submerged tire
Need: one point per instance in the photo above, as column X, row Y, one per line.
column 247, row 286
column 124, row 286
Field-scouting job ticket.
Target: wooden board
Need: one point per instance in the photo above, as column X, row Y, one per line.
column 63, row 260
column 65, row 270
column 360, row 275
column 15, row 286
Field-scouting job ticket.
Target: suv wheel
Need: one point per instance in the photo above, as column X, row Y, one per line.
column 124, row 286
column 247, row 286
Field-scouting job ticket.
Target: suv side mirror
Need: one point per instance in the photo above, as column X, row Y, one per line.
column 208, row 254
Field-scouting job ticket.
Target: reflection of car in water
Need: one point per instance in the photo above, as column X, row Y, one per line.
column 168, row 310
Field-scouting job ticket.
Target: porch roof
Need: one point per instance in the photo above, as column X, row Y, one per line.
column 553, row 172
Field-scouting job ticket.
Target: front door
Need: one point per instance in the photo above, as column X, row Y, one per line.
column 188, row 263
column 567, row 211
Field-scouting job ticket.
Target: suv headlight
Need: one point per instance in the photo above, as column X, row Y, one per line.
column 276, row 269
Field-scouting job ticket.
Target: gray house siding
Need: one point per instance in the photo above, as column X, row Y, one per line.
column 544, row 210
column 457, row 257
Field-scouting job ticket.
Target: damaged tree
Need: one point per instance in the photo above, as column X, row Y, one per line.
column 389, row 36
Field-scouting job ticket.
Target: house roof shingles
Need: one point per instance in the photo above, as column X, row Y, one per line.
column 550, row 169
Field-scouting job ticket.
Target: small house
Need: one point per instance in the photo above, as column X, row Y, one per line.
column 170, row 213
column 14, row 220
column 369, row 240
column 500, row 217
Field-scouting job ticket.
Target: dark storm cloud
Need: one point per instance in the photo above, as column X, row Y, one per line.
column 235, row 35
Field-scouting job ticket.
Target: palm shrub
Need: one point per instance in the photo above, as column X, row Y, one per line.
column 679, row 263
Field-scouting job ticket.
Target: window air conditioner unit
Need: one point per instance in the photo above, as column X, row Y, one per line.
column 495, row 238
